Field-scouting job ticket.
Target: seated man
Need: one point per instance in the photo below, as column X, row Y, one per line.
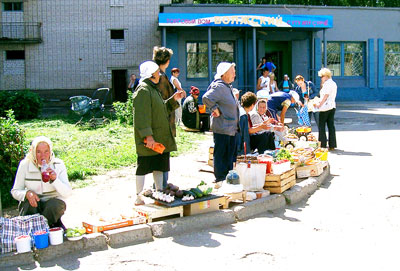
column 248, row 102
column 191, row 117
column 264, row 139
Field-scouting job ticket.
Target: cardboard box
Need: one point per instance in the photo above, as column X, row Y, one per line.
column 98, row 226
column 201, row 207
column 311, row 171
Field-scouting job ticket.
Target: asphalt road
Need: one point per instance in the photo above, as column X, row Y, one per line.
column 348, row 224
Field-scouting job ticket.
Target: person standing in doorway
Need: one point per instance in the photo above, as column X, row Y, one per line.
column 263, row 83
column 133, row 83
column 327, row 109
column 224, row 119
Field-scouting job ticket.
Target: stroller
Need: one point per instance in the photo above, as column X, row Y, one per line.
column 83, row 105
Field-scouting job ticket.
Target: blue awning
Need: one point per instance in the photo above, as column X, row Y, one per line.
column 244, row 20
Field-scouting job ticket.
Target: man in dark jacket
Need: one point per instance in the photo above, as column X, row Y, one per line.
column 224, row 119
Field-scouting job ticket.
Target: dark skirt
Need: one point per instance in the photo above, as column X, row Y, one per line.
column 148, row 164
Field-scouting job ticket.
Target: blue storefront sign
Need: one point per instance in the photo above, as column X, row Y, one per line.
column 245, row 20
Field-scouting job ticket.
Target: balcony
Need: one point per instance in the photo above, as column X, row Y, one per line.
column 20, row 33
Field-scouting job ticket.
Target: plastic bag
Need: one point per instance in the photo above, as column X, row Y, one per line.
column 302, row 114
column 252, row 176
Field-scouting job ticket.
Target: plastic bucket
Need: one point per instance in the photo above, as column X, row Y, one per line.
column 202, row 108
column 56, row 236
column 41, row 239
column 323, row 156
column 23, row 243
column 266, row 159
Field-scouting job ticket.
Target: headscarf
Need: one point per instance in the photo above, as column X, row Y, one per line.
column 31, row 156
column 194, row 90
column 147, row 69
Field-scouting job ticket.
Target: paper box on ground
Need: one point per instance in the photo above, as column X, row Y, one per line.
column 98, row 226
column 312, row 170
column 153, row 211
column 201, row 207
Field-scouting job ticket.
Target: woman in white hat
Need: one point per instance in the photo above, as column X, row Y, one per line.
column 220, row 100
column 151, row 123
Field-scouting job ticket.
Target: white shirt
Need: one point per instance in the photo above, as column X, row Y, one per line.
column 177, row 80
column 265, row 83
column 328, row 88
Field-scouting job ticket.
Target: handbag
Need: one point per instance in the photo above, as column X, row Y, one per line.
column 10, row 228
column 302, row 115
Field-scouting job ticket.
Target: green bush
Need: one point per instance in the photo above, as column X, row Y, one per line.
column 11, row 152
column 124, row 111
column 25, row 104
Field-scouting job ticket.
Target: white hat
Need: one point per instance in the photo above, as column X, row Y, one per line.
column 263, row 94
column 222, row 68
column 295, row 96
column 147, row 69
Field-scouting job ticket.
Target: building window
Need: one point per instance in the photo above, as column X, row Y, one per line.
column 15, row 55
column 14, row 62
column 117, row 41
column 12, row 6
column 345, row 58
column 392, row 58
column 116, row 3
column 197, row 57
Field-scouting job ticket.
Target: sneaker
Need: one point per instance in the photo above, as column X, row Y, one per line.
column 218, row 185
column 139, row 200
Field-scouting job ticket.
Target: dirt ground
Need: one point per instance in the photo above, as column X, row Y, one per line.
column 113, row 194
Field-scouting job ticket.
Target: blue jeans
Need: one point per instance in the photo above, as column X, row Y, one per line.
column 224, row 154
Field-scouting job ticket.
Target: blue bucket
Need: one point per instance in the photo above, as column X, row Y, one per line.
column 41, row 240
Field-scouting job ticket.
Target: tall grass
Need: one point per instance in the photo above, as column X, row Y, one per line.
column 95, row 151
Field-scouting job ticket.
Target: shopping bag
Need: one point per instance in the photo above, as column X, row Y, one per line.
column 302, row 115
column 252, row 176
column 10, row 228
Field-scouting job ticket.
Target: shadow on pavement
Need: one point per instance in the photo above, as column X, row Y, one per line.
column 343, row 152
column 204, row 238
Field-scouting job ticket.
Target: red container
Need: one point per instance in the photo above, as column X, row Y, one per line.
column 266, row 159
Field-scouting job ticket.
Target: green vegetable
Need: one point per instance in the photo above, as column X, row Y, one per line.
column 197, row 191
column 284, row 154
column 190, row 193
column 207, row 191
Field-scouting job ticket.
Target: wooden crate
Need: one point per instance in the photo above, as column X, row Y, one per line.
column 229, row 197
column 152, row 211
column 280, row 183
column 311, row 171
column 211, row 150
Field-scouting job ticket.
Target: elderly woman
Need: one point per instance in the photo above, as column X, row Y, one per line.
column 44, row 195
column 151, row 122
column 327, row 108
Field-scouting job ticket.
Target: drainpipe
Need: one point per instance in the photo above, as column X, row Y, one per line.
column 209, row 56
column 325, row 49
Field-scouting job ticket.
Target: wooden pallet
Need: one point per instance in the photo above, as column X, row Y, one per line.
column 280, row 183
column 153, row 211
column 229, row 197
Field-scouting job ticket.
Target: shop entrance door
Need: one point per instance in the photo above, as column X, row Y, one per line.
column 119, row 85
column 281, row 54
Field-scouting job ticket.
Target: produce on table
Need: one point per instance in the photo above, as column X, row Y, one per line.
column 163, row 196
column 284, row 154
column 75, row 232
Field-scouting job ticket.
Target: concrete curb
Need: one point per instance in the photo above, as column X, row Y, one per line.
column 252, row 208
column 185, row 224
column 16, row 259
column 305, row 188
column 131, row 235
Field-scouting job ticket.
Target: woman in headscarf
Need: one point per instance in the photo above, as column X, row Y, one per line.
column 151, row 123
column 42, row 193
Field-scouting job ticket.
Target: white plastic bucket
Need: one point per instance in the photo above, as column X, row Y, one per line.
column 23, row 243
column 56, row 236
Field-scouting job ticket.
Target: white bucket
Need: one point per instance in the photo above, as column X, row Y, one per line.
column 23, row 243
column 56, row 236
